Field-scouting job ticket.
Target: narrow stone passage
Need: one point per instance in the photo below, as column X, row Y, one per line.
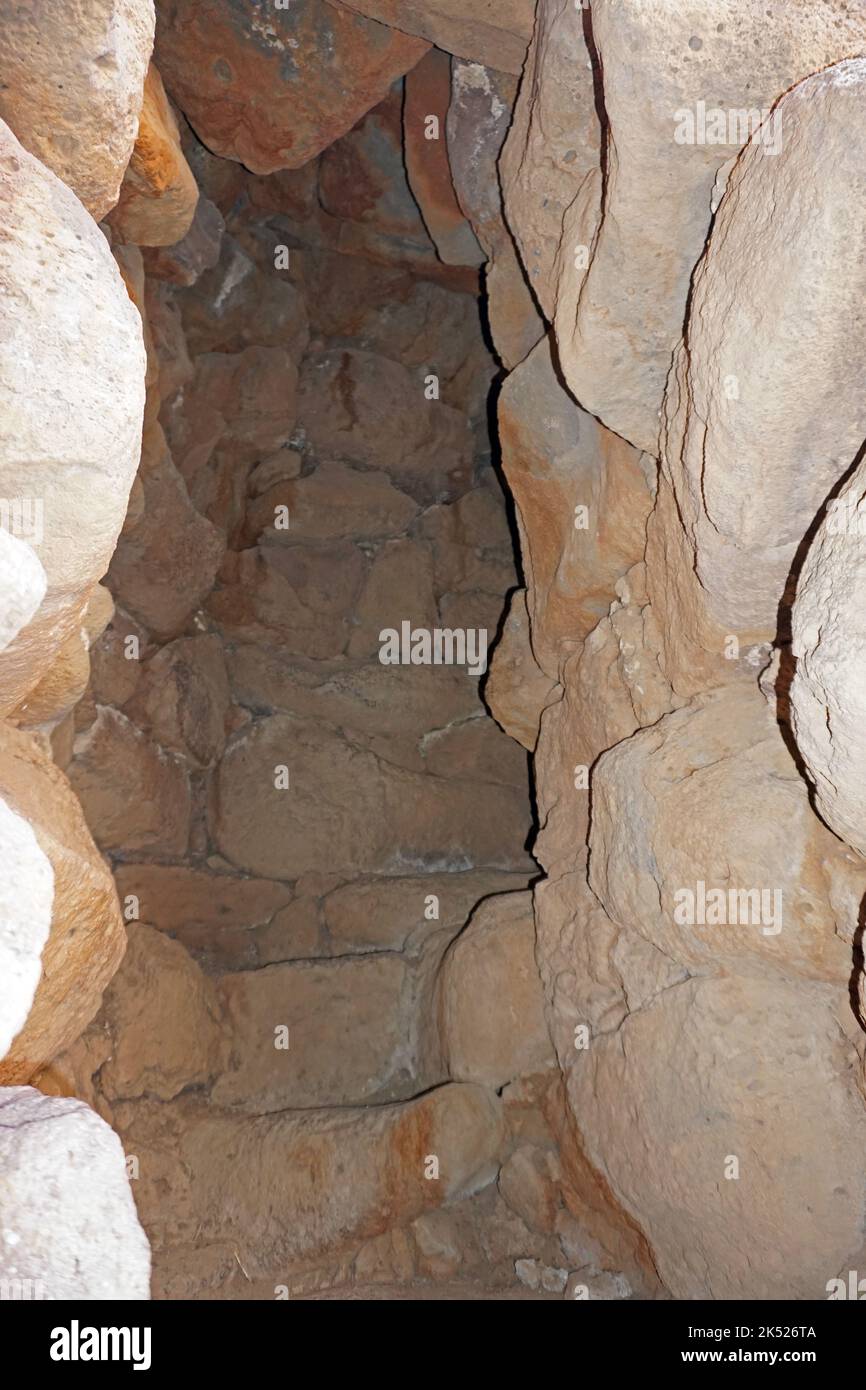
column 315, row 566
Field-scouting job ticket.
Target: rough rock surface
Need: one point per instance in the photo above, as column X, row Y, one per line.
column 582, row 498
column 490, row 999
column 294, row 1201
column 25, row 921
column 552, row 147
column 159, row 194
column 827, row 646
column 428, row 95
column 702, row 1080
column 736, row 420
column 691, row 770
column 657, row 63
column 87, row 939
column 494, row 32
column 164, row 1020
column 272, row 88
column 71, row 85
column 22, row 585
column 71, row 401
column 68, row 1228
column 479, row 117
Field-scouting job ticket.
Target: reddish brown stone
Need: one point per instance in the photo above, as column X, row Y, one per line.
column 272, row 88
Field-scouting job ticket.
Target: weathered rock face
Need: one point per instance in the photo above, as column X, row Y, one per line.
column 71, row 400
column 71, row 87
column 582, row 498
column 86, row 940
column 709, row 884
column 25, row 921
column 827, row 647
column 736, row 422
column 494, row 959
column 680, row 98
column 698, row 1072
column 496, row 32
column 552, row 147
column 69, row 1228
column 272, row 88
column 425, row 111
column 159, row 194
column 479, row 117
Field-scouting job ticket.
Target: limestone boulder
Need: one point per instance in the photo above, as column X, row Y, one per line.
column 552, row 146
column 173, row 897
column 395, row 702
column 491, row 1008
column 182, row 262
column 283, row 1020
column 237, row 303
column 71, row 88
column 334, row 501
column 183, row 698
column 363, row 185
column 704, row 842
column 69, row 1225
column 298, row 598
column 828, row 648
column 159, row 194
column 516, row 690
column 738, row 1135
column 167, row 565
column 25, row 921
column 392, row 914
column 737, row 424
column 273, row 88
column 22, row 585
column 494, row 32
column 87, row 938
column 66, row 680
column 479, row 117
column 582, row 498
column 163, row 1017
column 681, row 97
column 71, row 400
column 238, row 408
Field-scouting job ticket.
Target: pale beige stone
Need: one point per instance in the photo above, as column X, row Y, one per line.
column 71, row 87
column 67, row 1217
column 656, row 62
column 87, row 938
column 490, row 999
column 163, row 1015
column 828, row 645
column 71, row 402
column 737, row 418
column 135, row 794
